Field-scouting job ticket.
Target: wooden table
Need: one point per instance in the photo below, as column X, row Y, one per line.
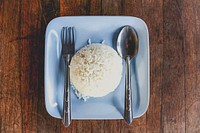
column 174, row 27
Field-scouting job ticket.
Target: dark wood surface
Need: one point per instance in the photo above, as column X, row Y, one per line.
column 174, row 28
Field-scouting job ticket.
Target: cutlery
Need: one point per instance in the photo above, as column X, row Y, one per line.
column 127, row 47
column 68, row 50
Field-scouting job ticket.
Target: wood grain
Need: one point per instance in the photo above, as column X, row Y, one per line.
column 80, row 7
column 113, row 7
column 133, row 8
column 29, row 61
column 153, row 16
column 190, row 15
column 173, row 87
column 10, row 77
column 23, row 58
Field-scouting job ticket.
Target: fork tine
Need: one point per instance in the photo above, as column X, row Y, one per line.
column 72, row 32
column 63, row 34
column 67, row 40
column 69, row 35
column 66, row 35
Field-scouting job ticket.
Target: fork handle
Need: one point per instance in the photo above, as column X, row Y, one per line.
column 67, row 96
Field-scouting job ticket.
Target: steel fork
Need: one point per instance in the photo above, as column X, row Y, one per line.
column 68, row 50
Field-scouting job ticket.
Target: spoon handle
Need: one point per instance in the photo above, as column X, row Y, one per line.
column 128, row 93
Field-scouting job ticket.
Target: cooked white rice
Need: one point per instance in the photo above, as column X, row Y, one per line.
column 95, row 71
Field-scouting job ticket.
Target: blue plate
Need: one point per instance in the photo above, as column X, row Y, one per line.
column 97, row 28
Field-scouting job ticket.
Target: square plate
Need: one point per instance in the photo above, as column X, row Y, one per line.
column 97, row 28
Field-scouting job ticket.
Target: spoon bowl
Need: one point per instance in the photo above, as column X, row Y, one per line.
column 127, row 47
column 127, row 42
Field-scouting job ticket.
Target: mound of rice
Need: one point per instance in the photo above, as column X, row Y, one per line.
column 95, row 70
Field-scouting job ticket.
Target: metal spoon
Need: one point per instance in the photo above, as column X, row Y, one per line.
column 127, row 47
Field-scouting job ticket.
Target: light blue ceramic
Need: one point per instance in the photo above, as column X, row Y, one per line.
column 97, row 28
